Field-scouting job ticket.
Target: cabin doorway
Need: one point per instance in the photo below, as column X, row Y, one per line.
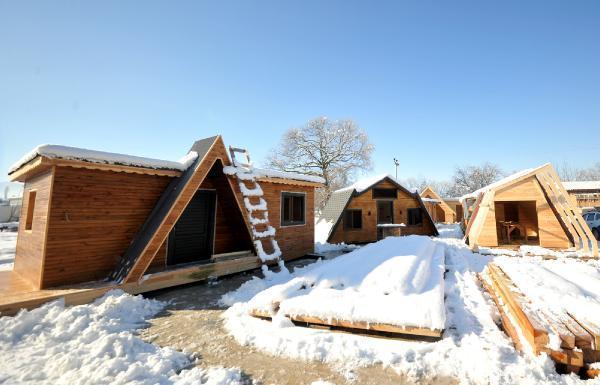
column 191, row 239
column 517, row 223
column 385, row 212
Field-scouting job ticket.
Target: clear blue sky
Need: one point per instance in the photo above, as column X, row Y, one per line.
column 436, row 84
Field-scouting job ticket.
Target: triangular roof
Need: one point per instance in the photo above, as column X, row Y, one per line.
column 170, row 206
column 339, row 200
column 556, row 196
column 429, row 190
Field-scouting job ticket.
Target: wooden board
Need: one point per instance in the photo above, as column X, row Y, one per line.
column 332, row 324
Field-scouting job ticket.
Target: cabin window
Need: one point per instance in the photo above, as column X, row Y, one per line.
column 353, row 219
column 292, row 209
column 415, row 217
column 30, row 208
column 384, row 193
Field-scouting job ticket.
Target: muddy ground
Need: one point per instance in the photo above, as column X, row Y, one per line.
column 191, row 322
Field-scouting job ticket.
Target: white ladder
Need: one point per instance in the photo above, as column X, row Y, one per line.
column 258, row 213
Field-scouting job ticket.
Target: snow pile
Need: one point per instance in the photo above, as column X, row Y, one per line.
column 322, row 229
column 92, row 156
column 473, row 351
column 375, row 283
column 564, row 285
column 329, row 247
column 8, row 244
column 451, row 230
column 94, row 344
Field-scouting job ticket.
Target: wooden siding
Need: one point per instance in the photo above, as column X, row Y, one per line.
column 368, row 205
column 551, row 233
column 93, row 217
column 29, row 258
column 294, row 241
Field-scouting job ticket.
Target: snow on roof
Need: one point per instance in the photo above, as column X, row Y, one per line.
column 582, row 185
column 502, row 182
column 430, row 200
column 364, row 184
column 92, row 156
column 268, row 173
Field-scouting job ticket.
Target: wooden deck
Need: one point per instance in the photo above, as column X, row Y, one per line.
column 16, row 293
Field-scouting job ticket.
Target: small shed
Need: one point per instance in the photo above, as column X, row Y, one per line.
column 439, row 210
column 456, row 206
column 530, row 207
column 372, row 208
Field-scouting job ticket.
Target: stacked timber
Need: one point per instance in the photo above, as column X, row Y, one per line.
column 533, row 326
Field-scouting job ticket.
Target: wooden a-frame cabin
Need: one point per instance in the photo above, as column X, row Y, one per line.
column 372, row 209
column 94, row 221
column 530, row 207
column 439, row 210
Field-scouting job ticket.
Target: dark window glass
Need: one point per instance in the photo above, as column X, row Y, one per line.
column 353, row 219
column 415, row 217
column 384, row 193
column 292, row 209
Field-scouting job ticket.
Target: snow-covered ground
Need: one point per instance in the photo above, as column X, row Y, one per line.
column 8, row 243
column 473, row 349
column 95, row 344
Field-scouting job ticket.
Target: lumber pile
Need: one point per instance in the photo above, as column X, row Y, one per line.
column 532, row 325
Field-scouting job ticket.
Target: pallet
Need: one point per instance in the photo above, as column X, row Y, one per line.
column 578, row 342
column 359, row 327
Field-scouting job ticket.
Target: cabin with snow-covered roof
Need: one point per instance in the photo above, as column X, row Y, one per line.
column 437, row 207
column 530, row 207
column 141, row 224
column 372, row 209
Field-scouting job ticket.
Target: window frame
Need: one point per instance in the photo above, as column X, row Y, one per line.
column 29, row 214
column 385, row 189
column 408, row 216
column 282, row 222
column 346, row 227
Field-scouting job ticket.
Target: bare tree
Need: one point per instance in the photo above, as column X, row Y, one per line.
column 419, row 184
column 569, row 173
column 334, row 150
column 470, row 178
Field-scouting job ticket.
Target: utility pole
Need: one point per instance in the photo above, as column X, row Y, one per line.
column 396, row 163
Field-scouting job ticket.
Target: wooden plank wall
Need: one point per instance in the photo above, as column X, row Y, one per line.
column 368, row 205
column 29, row 257
column 294, row 241
column 551, row 232
column 93, row 218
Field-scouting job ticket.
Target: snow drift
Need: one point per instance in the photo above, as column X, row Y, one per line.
column 396, row 281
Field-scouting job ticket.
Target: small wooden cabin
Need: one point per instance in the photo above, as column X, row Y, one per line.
column 373, row 208
column 530, row 207
column 585, row 193
column 456, row 206
column 438, row 209
column 92, row 216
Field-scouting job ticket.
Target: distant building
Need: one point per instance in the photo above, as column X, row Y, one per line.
column 586, row 193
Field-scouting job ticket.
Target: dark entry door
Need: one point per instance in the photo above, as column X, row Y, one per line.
column 385, row 212
column 191, row 239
